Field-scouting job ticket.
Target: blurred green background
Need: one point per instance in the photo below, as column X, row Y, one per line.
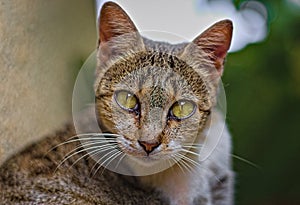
column 262, row 84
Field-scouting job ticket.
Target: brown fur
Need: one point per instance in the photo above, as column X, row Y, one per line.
column 29, row 178
column 158, row 74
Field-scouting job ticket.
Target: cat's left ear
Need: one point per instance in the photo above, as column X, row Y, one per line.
column 114, row 22
column 215, row 42
column 117, row 33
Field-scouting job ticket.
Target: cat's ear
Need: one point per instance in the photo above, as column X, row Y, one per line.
column 215, row 42
column 113, row 22
column 118, row 36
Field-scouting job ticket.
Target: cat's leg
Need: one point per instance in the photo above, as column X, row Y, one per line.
column 188, row 199
column 181, row 188
column 196, row 192
column 222, row 189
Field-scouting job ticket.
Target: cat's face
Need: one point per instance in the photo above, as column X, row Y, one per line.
column 153, row 107
column 156, row 96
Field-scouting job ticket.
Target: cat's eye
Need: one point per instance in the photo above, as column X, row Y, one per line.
column 126, row 100
column 182, row 109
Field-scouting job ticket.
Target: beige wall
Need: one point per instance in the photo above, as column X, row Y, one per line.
column 42, row 45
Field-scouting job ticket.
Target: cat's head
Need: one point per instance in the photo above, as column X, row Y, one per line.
column 156, row 96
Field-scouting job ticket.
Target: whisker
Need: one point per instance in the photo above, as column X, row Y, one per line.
column 98, row 134
column 191, row 152
column 69, row 155
column 99, row 160
column 246, row 161
column 91, row 154
column 96, row 142
column 187, row 165
column 86, row 154
column 194, row 144
column 184, row 164
column 178, row 164
column 189, row 159
column 113, row 157
column 170, row 164
column 200, row 165
column 94, row 139
column 85, row 144
column 98, row 152
column 82, row 137
column 121, row 158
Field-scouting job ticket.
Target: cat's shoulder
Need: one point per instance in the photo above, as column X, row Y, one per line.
column 36, row 175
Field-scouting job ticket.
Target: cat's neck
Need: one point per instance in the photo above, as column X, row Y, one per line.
column 179, row 180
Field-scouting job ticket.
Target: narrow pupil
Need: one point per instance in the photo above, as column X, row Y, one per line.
column 181, row 104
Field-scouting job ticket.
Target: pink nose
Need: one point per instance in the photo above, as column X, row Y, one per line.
column 148, row 146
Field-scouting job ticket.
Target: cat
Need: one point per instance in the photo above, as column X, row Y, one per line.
column 154, row 102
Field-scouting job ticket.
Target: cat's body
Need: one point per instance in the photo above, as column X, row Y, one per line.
column 30, row 178
column 159, row 98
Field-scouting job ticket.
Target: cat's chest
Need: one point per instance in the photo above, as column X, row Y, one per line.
column 179, row 186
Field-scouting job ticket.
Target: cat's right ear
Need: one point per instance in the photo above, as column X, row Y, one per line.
column 213, row 45
column 117, row 33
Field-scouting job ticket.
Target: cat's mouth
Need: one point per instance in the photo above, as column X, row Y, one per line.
column 142, row 152
column 139, row 149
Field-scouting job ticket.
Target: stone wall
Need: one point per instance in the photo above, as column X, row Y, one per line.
column 43, row 43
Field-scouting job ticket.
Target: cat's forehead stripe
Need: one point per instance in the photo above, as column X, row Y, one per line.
column 157, row 97
column 122, row 68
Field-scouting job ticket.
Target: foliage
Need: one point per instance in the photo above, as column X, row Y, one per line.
column 262, row 84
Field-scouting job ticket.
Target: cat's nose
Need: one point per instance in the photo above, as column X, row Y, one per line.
column 148, row 146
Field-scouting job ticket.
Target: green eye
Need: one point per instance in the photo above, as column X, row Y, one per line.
column 126, row 100
column 182, row 109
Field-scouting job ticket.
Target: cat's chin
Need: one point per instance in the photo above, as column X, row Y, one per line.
column 150, row 160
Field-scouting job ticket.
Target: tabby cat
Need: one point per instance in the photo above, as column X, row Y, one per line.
column 154, row 105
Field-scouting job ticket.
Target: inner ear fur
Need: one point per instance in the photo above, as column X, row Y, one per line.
column 118, row 36
column 114, row 21
column 215, row 42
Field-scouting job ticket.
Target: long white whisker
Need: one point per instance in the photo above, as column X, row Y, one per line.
column 192, row 146
column 98, row 134
column 86, row 154
column 178, row 164
column 77, row 152
column 187, row 165
column 183, row 163
column 192, row 143
column 170, row 164
column 113, row 157
column 91, row 154
column 246, row 161
column 90, row 143
column 191, row 152
column 99, row 160
column 82, row 137
column 182, row 156
column 86, row 144
column 121, row 158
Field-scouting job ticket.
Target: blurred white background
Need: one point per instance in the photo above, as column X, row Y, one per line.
column 189, row 18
